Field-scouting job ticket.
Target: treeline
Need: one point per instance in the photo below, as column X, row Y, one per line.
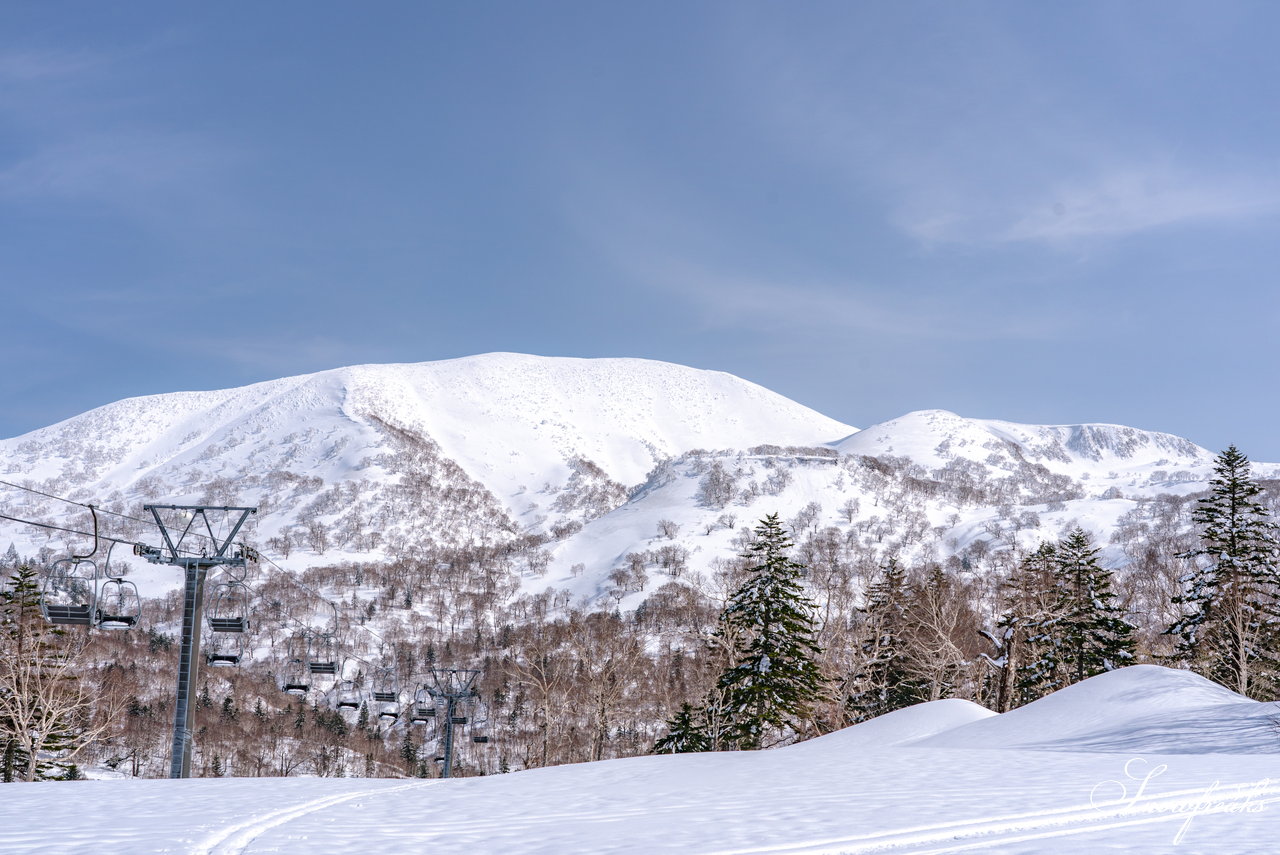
column 565, row 680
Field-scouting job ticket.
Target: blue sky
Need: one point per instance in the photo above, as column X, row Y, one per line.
column 1046, row 213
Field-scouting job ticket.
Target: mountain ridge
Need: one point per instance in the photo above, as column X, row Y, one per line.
column 598, row 460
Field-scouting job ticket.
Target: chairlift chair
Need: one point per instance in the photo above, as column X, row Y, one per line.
column 386, row 694
column 69, row 592
column 229, row 611
column 479, row 721
column 296, row 681
column 297, row 676
column 385, row 690
column 118, row 605
column 423, row 710
column 225, row 651
column 347, row 696
column 320, row 658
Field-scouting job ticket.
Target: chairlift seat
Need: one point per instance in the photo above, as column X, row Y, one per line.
column 422, row 716
column 348, row 705
column 385, row 697
column 480, row 739
column 323, row 667
column 69, row 615
column 106, row 621
column 296, row 688
column 389, row 715
column 459, row 719
column 228, row 624
column 217, row 660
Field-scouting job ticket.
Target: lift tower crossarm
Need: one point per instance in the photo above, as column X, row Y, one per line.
column 198, row 511
column 197, row 569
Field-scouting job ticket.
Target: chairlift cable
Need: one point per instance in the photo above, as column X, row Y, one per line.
column 67, row 530
column 84, row 505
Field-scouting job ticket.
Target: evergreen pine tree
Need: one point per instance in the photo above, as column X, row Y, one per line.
column 1073, row 627
column 1090, row 634
column 773, row 679
column 408, row 751
column 1229, row 631
column 1024, row 672
column 362, row 718
column 685, row 733
column 886, row 682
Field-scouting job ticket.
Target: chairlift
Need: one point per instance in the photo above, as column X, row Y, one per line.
column 320, row 657
column 348, row 698
column 225, row 651
column 296, row 679
column 70, row 591
column 480, row 739
column 229, row 609
column 386, row 692
column 423, row 710
column 118, row 605
column 296, row 687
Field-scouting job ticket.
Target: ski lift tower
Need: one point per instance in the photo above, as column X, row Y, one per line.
column 452, row 686
column 196, row 566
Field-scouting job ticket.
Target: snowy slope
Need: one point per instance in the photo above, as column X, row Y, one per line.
column 510, row 420
column 518, row 426
column 594, row 454
column 932, row 438
column 859, row 791
column 1143, row 708
column 930, row 483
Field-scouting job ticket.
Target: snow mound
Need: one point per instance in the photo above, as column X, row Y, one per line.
column 1139, row 708
column 900, row 726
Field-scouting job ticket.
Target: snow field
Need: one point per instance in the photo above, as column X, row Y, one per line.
column 909, row 782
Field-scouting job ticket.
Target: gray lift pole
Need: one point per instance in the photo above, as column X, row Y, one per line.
column 453, row 686
column 196, row 568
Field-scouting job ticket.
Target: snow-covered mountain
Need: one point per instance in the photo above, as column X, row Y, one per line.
column 595, row 465
column 469, row 449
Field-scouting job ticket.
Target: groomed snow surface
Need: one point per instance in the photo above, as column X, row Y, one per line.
column 1142, row 760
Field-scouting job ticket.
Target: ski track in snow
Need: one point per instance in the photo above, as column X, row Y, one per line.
column 236, row 839
column 982, row 834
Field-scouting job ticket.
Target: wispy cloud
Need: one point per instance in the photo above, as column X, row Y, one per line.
column 1130, row 201
column 44, row 65
column 976, row 140
column 734, row 299
column 117, row 166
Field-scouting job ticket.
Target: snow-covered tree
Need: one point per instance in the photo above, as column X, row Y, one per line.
column 1089, row 630
column 1074, row 627
column 1230, row 628
column 773, row 679
column 1026, row 603
column 886, row 681
column 686, row 733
